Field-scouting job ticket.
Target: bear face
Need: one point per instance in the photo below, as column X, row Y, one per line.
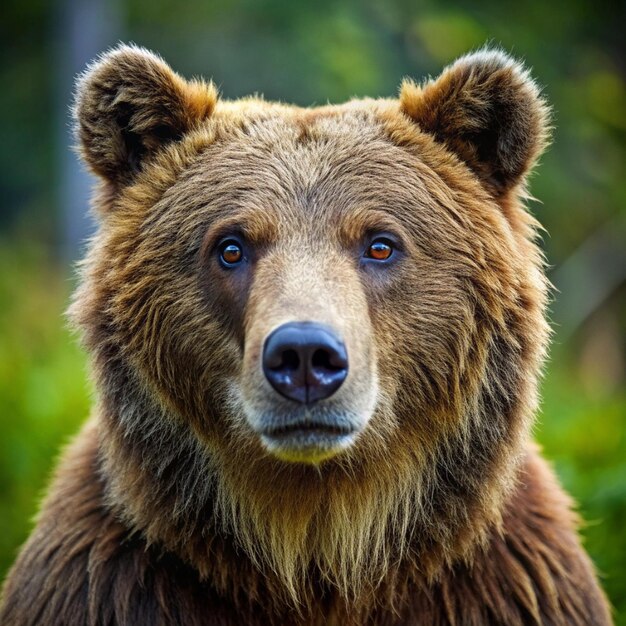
column 385, row 240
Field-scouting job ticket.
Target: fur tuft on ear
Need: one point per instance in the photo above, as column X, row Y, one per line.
column 486, row 109
column 129, row 103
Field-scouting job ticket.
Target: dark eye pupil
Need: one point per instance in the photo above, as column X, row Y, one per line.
column 380, row 250
column 231, row 253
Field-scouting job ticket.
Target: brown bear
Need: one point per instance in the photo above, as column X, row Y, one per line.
column 316, row 336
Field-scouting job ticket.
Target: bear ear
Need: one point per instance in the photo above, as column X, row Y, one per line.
column 129, row 103
column 486, row 108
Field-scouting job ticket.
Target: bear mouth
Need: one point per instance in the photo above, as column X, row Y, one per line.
column 308, row 441
column 308, row 428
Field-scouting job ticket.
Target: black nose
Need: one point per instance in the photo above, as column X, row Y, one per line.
column 305, row 361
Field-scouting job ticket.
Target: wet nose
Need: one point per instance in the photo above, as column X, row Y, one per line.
column 305, row 361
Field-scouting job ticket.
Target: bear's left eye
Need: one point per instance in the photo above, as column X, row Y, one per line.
column 231, row 253
column 380, row 249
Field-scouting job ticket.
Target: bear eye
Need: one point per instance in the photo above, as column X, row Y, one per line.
column 380, row 249
column 231, row 253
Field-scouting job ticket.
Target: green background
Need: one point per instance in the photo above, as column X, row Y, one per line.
column 309, row 53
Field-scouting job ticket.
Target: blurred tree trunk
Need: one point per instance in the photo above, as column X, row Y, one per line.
column 84, row 29
column 586, row 279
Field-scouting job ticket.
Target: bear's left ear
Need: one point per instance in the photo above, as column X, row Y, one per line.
column 486, row 109
column 129, row 104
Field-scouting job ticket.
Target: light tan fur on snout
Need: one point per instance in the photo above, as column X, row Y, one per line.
column 308, row 279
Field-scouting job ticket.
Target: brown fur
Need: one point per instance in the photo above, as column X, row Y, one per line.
column 168, row 509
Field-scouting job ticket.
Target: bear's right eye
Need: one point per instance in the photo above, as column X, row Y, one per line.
column 231, row 253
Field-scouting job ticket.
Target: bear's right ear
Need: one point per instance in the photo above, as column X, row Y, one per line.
column 129, row 104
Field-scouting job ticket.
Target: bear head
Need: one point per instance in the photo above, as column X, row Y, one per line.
column 313, row 329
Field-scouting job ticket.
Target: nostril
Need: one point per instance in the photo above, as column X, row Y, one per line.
column 281, row 359
column 290, row 361
column 322, row 359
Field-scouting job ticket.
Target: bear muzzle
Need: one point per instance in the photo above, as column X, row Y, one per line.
column 305, row 362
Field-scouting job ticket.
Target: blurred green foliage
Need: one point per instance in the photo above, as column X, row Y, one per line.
column 43, row 388
column 583, row 430
column 309, row 52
